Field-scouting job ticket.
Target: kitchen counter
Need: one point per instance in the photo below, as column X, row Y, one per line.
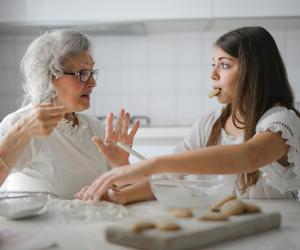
column 91, row 235
column 154, row 141
column 160, row 135
column 162, row 132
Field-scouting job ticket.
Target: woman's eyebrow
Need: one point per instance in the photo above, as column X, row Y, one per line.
column 224, row 57
column 84, row 64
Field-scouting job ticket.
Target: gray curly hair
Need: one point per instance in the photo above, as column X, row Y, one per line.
column 46, row 57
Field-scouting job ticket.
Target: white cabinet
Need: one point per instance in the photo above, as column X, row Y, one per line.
column 89, row 12
column 255, row 8
column 55, row 12
column 161, row 135
column 139, row 17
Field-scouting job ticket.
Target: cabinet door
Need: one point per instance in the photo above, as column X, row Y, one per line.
column 54, row 12
column 256, row 8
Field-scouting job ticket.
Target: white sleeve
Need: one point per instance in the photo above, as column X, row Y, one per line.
column 6, row 123
column 98, row 128
column 288, row 123
column 199, row 133
column 25, row 156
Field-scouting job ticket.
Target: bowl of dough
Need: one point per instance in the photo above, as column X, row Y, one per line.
column 193, row 191
column 23, row 204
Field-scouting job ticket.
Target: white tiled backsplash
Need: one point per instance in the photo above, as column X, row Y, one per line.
column 163, row 76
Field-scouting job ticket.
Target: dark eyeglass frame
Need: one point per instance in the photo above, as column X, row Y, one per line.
column 94, row 73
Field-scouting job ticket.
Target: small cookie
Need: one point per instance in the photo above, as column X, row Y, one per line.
column 182, row 212
column 251, row 208
column 141, row 226
column 213, row 93
column 233, row 207
column 216, row 206
column 168, row 226
column 213, row 216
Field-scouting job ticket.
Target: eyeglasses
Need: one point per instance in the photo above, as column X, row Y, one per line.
column 85, row 75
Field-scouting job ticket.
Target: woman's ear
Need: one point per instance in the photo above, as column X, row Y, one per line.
column 54, row 79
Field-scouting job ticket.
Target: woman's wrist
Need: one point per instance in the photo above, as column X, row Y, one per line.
column 120, row 163
column 154, row 166
column 3, row 164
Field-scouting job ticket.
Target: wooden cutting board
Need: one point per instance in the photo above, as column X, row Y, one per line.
column 194, row 233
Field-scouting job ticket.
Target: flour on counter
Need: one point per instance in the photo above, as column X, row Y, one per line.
column 74, row 211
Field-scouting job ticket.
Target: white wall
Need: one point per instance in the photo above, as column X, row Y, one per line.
column 164, row 76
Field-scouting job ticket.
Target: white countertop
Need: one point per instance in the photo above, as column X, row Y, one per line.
column 160, row 135
column 91, row 235
column 162, row 132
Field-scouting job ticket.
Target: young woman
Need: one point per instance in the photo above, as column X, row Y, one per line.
column 256, row 135
column 47, row 145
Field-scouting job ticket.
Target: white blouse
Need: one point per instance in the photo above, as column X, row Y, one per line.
column 275, row 181
column 62, row 163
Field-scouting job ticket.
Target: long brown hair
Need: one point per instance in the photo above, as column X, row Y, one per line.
column 262, row 83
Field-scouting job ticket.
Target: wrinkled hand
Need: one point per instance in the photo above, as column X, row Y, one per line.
column 112, row 195
column 42, row 120
column 108, row 148
column 120, row 175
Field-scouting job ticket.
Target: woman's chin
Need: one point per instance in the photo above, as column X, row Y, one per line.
column 84, row 107
column 222, row 100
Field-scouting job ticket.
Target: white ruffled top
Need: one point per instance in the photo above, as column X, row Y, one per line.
column 275, row 181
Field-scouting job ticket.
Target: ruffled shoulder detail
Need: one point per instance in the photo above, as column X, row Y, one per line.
column 288, row 124
column 67, row 128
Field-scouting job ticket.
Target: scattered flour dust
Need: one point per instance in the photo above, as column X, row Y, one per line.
column 74, row 211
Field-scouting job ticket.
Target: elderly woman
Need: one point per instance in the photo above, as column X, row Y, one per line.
column 46, row 145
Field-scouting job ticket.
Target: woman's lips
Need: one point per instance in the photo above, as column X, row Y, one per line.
column 87, row 96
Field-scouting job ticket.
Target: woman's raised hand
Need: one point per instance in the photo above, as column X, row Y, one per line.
column 119, row 133
column 42, row 120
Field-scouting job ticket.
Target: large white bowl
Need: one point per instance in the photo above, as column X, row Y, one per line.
column 19, row 205
column 173, row 190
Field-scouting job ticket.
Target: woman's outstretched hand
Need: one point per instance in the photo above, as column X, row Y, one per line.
column 118, row 175
column 108, row 147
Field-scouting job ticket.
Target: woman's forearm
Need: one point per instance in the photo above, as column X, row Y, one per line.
column 225, row 159
column 11, row 147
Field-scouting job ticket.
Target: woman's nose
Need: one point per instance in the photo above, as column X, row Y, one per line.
column 214, row 74
column 92, row 82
